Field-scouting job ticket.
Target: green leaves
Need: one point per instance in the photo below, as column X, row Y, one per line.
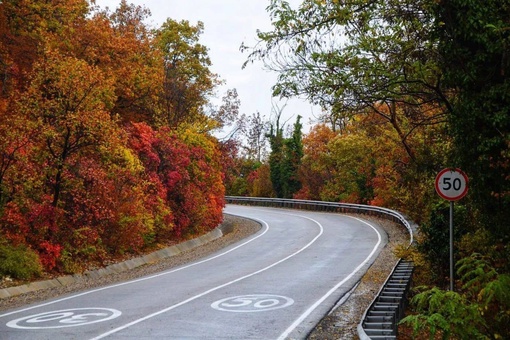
column 18, row 262
column 474, row 43
column 485, row 285
column 356, row 56
column 447, row 314
column 285, row 158
column 480, row 310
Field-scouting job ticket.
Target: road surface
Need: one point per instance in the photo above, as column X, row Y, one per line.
column 276, row 284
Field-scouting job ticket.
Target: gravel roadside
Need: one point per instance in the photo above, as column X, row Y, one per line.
column 341, row 322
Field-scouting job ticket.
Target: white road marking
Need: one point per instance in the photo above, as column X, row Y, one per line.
column 252, row 303
column 137, row 280
column 309, row 311
column 295, row 324
column 65, row 318
column 118, row 329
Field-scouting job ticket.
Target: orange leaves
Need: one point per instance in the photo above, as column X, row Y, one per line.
column 67, row 98
column 368, row 163
column 88, row 165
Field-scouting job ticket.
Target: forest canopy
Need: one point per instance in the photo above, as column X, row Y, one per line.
column 409, row 88
column 105, row 139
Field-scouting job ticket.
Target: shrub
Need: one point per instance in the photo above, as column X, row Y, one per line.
column 434, row 239
column 19, row 262
column 479, row 310
column 446, row 314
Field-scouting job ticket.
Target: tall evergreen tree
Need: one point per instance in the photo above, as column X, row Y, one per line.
column 276, row 141
column 293, row 155
column 284, row 160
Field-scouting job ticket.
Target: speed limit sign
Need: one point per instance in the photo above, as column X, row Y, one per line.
column 451, row 184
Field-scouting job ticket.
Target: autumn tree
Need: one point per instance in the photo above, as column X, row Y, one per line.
column 188, row 80
column 340, row 167
column 66, row 101
column 312, row 172
column 26, row 28
column 366, row 163
column 72, row 111
column 229, row 150
column 133, row 61
column 16, row 139
column 357, row 57
column 89, row 170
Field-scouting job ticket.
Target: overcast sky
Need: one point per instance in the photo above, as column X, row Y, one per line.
column 228, row 23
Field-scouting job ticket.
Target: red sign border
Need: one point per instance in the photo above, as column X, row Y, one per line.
column 436, row 184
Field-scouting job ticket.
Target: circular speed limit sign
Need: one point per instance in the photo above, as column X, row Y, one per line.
column 451, row 184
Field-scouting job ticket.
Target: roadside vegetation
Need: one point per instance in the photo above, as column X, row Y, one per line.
column 407, row 88
column 108, row 147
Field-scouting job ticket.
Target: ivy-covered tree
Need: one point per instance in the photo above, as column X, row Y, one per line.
column 293, row 154
column 474, row 39
column 276, row 157
column 285, row 158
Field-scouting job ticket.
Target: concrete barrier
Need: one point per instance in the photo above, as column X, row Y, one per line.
column 114, row 268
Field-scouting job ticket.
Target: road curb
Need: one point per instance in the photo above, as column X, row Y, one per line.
column 114, row 268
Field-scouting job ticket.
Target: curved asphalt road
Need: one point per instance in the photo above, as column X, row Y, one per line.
column 276, row 284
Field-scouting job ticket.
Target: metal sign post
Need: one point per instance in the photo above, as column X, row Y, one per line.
column 452, row 272
column 451, row 184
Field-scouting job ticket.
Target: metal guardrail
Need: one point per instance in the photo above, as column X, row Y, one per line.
column 329, row 206
column 380, row 320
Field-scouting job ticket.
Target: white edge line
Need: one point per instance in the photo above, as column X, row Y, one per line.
column 118, row 329
column 309, row 311
column 140, row 279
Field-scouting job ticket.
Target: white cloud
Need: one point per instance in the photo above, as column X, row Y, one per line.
column 228, row 23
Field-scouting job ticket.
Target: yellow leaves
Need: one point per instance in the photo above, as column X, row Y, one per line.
column 410, row 253
column 131, row 160
column 118, row 156
column 325, row 2
column 187, row 78
column 70, row 86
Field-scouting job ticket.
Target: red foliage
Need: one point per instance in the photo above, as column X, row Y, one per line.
column 49, row 254
column 185, row 178
column 76, row 184
column 14, row 223
column 142, row 140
